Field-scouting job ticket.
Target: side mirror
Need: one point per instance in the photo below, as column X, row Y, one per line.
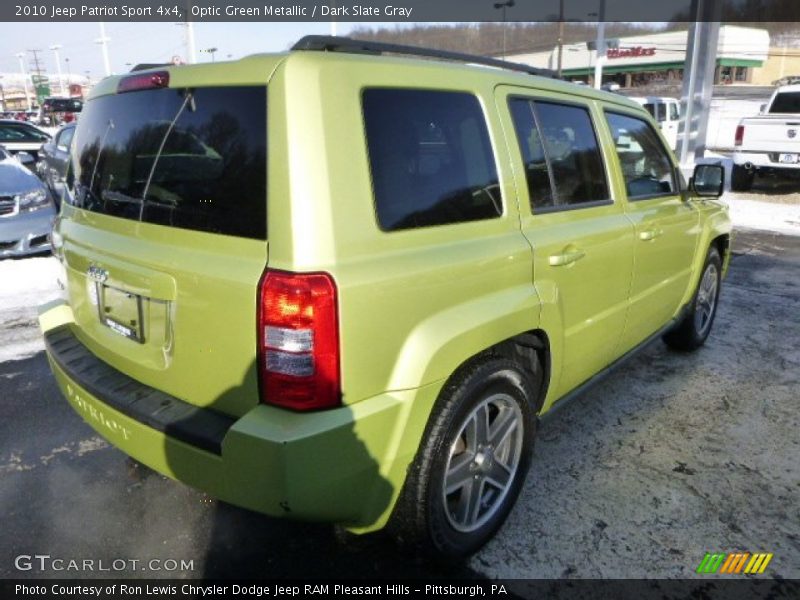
column 762, row 109
column 25, row 158
column 708, row 181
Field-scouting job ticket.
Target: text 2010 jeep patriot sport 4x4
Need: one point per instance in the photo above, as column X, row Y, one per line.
column 340, row 286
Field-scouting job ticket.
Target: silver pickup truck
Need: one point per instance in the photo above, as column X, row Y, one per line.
column 770, row 141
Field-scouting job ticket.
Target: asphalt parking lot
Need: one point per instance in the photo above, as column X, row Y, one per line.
column 671, row 456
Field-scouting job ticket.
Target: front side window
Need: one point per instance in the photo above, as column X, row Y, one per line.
column 673, row 112
column 563, row 164
column 430, row 157
column 645, row 163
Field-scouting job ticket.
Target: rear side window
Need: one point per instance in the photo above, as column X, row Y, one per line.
column 786, row 102
column 645, row 162
column 430, row 157
column 563, row 164
column 186, row 158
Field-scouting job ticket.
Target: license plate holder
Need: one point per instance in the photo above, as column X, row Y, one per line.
column 788, row 159
column 121, row 311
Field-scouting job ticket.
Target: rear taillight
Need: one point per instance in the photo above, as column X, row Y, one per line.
column 737, row 140
column 143, row 81
column 298, row 340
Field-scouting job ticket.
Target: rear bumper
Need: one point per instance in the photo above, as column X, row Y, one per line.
column 344, row 465
column 764, row 160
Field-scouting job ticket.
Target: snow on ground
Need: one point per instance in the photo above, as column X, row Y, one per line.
column 753, row 214
column 24, row 284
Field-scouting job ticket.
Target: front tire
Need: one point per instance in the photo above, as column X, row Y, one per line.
column 472, row 461
column 692, row 331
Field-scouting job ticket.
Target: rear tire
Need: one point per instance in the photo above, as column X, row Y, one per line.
column 692, row 331
column 742, row 179
column 472, row 461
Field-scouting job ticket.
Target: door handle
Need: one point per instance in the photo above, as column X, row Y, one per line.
column 650, row 234
column 566, row 258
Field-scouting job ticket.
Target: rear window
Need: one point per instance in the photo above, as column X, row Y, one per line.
column 430, row 157
column 62, row 105
column 786, row 102
column 188, row 158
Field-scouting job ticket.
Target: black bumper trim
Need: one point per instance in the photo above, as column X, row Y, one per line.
column 201, row 427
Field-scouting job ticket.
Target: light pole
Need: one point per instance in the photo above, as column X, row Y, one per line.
column 55, row 48
column 601, row 46
column 103, row 41
column 69, row 75
column 560, row 36
column 3, row 95
column 503, row 6
column 212, row 52
column 21, row 57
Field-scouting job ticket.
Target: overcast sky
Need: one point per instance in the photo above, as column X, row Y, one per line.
column 146, row 42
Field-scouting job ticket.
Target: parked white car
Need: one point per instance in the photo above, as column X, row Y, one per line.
column 769, row 142
column 667, row 112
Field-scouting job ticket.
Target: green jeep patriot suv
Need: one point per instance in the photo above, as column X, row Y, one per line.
column 342, row 282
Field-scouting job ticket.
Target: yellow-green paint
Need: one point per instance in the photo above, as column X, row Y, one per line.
column 414, row 305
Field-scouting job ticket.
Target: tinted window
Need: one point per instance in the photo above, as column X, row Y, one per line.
column 537, row 173
column 194, row 159
column 62, row 105
column 644, row 160
column 21, row 133
column 786, row 102
column 573, row 153
column 430, row 158
column 563, row 165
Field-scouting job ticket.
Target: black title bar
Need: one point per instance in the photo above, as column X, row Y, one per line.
column 392, row 10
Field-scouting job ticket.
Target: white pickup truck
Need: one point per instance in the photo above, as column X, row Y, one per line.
column 770, row 141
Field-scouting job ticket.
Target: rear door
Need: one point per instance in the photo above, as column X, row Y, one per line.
column 164, row 236
column 666, row 227
column 581, row 238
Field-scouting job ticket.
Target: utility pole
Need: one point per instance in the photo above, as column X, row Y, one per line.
column 55, row 48
column 21, row 57
column 504, row 6
column 103, row 41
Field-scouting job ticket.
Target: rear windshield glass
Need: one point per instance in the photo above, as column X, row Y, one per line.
column 62, row 105
column 194, row 159
column 786, row 102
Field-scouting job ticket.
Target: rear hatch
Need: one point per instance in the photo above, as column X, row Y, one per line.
column 164, row 229
column 772, row 133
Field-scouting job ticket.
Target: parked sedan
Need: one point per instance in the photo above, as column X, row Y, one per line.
column 53, row 160
column 19, row 136
column 26, row 209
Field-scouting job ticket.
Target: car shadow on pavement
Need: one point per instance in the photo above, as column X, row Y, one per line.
column 333, row 473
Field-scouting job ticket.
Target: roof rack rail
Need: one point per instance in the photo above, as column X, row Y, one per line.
column 145, row 66
column 328, row 43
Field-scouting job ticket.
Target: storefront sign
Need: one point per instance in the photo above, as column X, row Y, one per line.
column 630, row 52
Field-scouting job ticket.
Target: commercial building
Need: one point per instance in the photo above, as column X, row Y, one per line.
column 659, row 58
